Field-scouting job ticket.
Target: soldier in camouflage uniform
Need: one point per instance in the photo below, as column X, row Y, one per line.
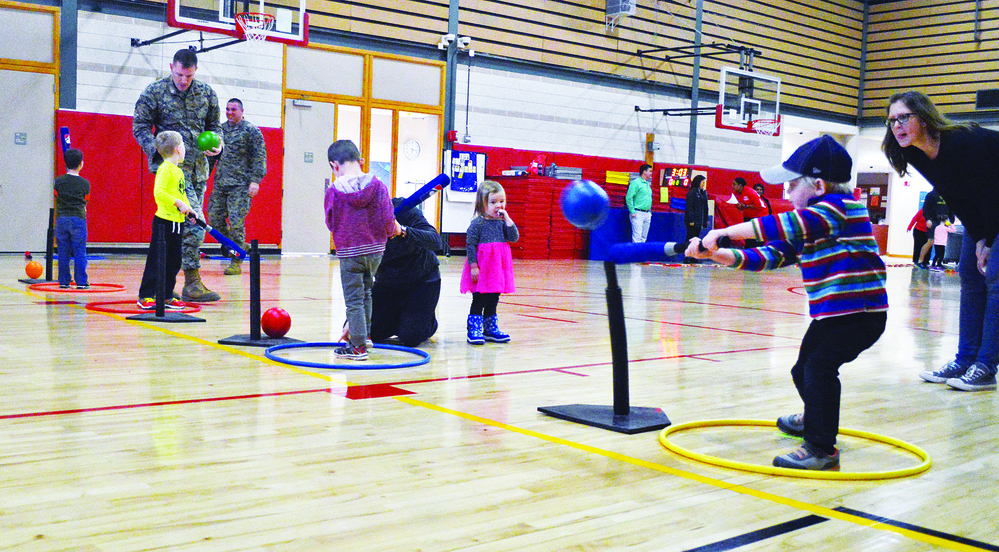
column 240, row 169
column 190, row 107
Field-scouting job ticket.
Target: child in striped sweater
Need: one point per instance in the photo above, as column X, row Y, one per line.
column 829, row 235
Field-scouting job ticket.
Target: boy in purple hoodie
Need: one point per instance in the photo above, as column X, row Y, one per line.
column 360, row 216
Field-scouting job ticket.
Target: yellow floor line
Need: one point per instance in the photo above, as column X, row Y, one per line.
column 813, row 508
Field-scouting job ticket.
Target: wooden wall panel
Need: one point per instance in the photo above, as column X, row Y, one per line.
column 815, row 47
column 930, row 46
column 411, row 21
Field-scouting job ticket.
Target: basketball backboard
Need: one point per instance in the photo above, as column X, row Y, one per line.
column 291, row 22
column 748, row 102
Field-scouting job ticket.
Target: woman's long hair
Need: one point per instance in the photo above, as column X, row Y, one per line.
column 922, row 107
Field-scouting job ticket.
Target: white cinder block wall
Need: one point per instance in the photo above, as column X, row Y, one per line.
column 111, row 73
column 503, row 108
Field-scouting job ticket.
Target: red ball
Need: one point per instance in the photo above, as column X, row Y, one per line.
column 33, row 270
column 275, row 322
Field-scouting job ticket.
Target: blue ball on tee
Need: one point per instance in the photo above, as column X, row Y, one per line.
column 585, row 204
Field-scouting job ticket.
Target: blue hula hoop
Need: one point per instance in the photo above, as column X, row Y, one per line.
column 269, row 353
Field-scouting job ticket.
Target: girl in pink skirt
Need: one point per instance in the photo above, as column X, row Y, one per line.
column 488, row 268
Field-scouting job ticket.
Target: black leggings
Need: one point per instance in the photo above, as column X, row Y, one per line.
column 484, row 303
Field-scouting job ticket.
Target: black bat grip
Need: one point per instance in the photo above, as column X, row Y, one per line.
column 723, row 241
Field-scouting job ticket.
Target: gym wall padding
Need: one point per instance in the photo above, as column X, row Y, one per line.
column 121, row 205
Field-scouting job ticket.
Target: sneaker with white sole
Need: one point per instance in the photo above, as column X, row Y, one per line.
column 350, row 352
column 977, row 378
column 808, row 458
column 952, row 369
column 792, row 424
column 174, row 304
column 146, row 303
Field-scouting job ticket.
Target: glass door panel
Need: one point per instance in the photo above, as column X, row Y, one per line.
column 418, row 158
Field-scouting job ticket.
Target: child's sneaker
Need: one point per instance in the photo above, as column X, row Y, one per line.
column 952, row 369
column 977, row 378
column 808, row 458
column 350, row 352
column 64, row 286
column 792, row 424
column 82, row 286
column 173, row 304
column 146, row 303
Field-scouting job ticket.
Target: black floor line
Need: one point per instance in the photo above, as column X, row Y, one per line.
column 917, row 529
column 760, row 535
column 807, row 521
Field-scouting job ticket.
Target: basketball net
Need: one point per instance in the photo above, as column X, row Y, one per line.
column 254, row 25
column 766, row 127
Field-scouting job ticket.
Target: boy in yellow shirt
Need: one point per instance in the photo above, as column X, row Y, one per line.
column 171, row 210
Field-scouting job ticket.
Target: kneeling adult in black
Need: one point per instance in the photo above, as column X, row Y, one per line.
column 408, row 283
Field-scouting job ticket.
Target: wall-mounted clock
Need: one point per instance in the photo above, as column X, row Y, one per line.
column 411, row 149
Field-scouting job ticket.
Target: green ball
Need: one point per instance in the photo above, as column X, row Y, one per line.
column 208, row 140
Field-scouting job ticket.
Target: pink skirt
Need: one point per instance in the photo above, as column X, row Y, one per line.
column 495, row 270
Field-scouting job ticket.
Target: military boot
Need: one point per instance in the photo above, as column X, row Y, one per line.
column 235, row 267
column 194, row 291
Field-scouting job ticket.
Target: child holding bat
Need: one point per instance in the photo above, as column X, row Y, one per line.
column 171, row 210
column 829, row 235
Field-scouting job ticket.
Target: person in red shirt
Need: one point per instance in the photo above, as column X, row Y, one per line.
column 918, row 227
column 749, row 203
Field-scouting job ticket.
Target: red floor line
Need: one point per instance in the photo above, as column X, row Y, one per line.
column 495, row 374
column 564, row 371
column 686, row 302
column 568, row 369
column 548, row 318
column 152, row 404
column 652, row 320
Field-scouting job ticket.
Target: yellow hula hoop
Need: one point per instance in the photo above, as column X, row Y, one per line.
column 788, row 472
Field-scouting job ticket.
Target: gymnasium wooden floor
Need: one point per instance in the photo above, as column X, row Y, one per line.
column 122, row 436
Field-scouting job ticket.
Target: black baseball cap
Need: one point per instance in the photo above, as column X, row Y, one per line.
column 822, row 158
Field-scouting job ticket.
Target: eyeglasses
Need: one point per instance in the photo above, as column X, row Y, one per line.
column 901, row 119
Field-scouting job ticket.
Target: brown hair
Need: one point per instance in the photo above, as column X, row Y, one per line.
column 922, row 107
column 486, row 188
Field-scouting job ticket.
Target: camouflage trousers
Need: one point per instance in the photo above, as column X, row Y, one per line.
column 194, row 235
column 227, row 210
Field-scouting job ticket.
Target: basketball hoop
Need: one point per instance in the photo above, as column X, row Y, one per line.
column 254, row 25
column 611, row 21
column 765, row 127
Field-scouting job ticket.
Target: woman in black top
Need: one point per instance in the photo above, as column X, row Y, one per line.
column 961, row 161
column 408, row 283
column 695, row 211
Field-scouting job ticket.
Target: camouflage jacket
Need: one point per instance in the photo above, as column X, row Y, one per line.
column 162, row 107
column 244, row 158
